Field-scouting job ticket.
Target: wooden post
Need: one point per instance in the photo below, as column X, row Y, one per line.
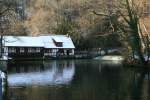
column 1, row 46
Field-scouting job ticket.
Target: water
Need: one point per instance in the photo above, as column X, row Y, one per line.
column 76, row 80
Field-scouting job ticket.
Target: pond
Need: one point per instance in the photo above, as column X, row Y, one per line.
column 75, row 80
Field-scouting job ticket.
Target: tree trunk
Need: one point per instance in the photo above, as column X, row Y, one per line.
column 141, row 57
column 137, row 45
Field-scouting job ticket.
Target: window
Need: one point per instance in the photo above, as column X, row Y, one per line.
column 22, row 50
column 49, row 50
column 38, row 50
column 9, row 50
column 30, row 50
column 12, row 50
column 5, row 49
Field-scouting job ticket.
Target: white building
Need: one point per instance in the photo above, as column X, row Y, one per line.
column 38, row 46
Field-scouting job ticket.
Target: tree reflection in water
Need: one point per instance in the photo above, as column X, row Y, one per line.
column 140, row 86
column 76, row 80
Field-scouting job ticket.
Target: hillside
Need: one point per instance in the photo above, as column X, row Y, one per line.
column 44, row 16
column 72, row 17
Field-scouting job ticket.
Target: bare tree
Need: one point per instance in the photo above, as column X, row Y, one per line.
column 7, row 14
column 125, row 20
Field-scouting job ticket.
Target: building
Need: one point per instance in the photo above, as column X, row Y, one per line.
column 57, row 45
column 40, row 47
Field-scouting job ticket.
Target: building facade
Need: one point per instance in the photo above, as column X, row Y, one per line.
column 40, row 47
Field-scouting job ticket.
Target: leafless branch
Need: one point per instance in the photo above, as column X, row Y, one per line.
column 100, row 14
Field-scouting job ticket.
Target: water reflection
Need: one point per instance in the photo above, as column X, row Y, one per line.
column 41, row 74
column 140, row 87
column 76, row 80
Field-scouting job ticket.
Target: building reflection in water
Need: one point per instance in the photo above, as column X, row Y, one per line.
column 88, row 80
column 40, row 74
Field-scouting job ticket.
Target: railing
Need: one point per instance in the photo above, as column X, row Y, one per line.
column 87, row 54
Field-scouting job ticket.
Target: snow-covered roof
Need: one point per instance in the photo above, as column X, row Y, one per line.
column 49, row 43
column 22, row 41
column 38, row 41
